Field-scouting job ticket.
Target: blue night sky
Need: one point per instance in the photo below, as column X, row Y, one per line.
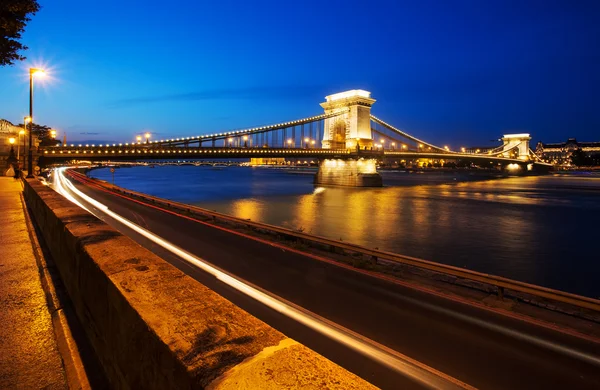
column 450, row 72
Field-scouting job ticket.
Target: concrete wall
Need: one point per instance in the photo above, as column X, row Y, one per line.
column 153, row 327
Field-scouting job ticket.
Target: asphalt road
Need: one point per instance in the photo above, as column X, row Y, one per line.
column 479, row 347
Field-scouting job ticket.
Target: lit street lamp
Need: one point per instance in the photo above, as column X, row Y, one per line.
column 462, row 149
column 32, row 72
column 289, row 142
column 147, row 135
column 313, row 143
column 393, row 145
column 245, row 141
column 306, row 142
column 138, row 139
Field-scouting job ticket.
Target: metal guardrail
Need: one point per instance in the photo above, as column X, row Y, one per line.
column 499, row 282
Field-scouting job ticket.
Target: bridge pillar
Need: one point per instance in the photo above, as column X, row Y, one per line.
column 353, row 125
column 521, row 141
column 350, row 173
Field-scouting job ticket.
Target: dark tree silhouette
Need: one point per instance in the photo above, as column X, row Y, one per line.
column 580, row 159
column 14, row 15
column 42, row 132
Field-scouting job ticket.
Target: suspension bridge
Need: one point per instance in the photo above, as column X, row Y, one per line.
column 346, row 139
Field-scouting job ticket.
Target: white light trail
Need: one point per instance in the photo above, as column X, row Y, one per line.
column 392, row 359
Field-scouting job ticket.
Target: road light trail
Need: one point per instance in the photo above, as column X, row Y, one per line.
column 421, row 373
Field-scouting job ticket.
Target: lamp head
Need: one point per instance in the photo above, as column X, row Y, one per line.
column 37, row 72
column 11, row 140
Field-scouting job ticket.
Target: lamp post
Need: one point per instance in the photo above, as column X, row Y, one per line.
column 245, row 141
column 147, row 135
column 32, row 72
column 138, row 139
column 289, row 142
column 306, row 142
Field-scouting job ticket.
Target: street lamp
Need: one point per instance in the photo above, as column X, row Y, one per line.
column 289, row 142
column 404, row 146
column 393, row 145
column 306, row 141
column 147, row 135
column 245, row 141
column 463, row 149
column 11, row 141
column 32, row 72
column 53, row 133
column 230, row 140
column 313, row 143
column 138, row 139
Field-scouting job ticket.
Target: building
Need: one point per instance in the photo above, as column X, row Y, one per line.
column 560, row 153
column 8, row 131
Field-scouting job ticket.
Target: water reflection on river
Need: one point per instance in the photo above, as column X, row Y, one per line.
column 535, row 229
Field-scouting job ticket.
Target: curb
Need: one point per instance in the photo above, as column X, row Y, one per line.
column 71, row 358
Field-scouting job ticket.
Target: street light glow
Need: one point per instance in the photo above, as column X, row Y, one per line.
column 11, row 140
column 147, row 135
column 37, row 72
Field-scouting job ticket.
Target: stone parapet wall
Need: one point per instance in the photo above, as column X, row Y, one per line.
column 154, row 327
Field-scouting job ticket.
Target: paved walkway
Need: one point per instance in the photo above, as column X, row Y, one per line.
column 29, row 357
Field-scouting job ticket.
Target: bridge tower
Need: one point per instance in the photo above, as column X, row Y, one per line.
column 350, row 128
column 353, row 125
column 519, row 140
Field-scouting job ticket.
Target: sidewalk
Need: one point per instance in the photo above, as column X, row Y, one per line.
column 29, row 356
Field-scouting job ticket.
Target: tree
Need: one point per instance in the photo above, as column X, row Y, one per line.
column 42, row 132
column 579, row 158
column 14, row 15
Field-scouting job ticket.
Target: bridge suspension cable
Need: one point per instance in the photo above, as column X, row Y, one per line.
column 259, row 132
column 410, row 137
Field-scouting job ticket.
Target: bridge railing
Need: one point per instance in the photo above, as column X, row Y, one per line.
column 500, row 283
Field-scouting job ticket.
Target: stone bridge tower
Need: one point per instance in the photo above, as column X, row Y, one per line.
column 351, row 127
column 519, row 140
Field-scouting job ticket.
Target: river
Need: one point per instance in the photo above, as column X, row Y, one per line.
column 543, row 230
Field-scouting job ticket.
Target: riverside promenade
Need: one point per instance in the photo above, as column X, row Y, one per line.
column 29, row 351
